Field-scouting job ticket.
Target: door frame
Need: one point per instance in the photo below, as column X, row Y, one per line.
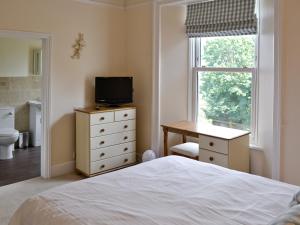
column 45, row 93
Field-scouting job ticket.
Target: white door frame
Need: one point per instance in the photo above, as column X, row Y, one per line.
column 45, row 91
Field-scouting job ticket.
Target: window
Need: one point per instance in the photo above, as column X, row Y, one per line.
column 224, row 81
column 223, row 46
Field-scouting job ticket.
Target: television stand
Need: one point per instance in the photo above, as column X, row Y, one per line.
column 105, row 139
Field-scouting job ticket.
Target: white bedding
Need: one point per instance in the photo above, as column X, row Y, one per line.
column 167, row 191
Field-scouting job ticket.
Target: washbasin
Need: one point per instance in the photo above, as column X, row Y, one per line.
column 34, row 103
column 35, row 122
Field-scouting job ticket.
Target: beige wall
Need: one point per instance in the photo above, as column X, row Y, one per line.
column 16, row 56
column 139, row 65
column 104, row 54
column 174, row 67
column 16, row 92
column 290, row 150
column 119, row 42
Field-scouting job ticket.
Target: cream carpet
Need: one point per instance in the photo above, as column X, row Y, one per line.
column 13, row 195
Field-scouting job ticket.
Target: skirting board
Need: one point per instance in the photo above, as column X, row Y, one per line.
column 61, row 169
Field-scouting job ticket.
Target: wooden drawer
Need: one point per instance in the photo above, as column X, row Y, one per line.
column 112, row 139
column 98, row 118
column 115, row 150
column 124, row 114
column 111, row 128
column 112, row 163
column 213, row 157
column 213, row 144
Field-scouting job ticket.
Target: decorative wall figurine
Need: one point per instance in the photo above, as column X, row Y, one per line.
column 78, row 46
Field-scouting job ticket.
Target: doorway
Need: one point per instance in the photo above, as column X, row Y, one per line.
column 24, row 106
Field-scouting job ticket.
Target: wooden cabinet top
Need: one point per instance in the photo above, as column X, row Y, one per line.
column 196, row 129
column 94, row 109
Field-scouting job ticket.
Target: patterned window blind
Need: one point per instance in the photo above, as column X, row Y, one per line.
column 221, row 18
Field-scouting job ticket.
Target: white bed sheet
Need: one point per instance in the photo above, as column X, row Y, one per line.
column 168, row 191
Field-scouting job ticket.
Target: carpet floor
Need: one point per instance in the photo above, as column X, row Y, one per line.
column 13, row 195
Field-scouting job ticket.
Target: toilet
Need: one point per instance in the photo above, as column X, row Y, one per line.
column 8, row 134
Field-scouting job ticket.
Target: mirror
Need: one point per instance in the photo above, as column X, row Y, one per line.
column 20, row 57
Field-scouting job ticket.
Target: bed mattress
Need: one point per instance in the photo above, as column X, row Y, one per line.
column 168, row 191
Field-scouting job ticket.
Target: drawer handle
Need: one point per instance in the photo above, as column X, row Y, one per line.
column 102, row 118
column 102, row 166
column 126, row 126
column 125, row 115
column 125, row 160
column 102, row 130
column 211, row 158
column 102, row 142
column 125, row 149
column 125, row 138
column 211, row 144
column 102, row 154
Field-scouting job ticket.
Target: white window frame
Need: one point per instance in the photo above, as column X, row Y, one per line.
column 195, row 67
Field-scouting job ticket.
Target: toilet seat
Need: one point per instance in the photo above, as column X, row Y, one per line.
column 8, row 132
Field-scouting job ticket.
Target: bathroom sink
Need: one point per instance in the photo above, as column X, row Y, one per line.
column 35, row 122
column 34, row 103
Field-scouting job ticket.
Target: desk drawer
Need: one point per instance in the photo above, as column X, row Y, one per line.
column 213, row 158
column 113, row 139
column 111, row 128
column 112, row 163
column 213, row 144
column 115, row 150
column 128, row 114
column 99, row 118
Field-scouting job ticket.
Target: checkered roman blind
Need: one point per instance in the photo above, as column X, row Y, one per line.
column 221, row 18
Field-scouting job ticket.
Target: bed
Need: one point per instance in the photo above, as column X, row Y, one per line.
column 167, row 191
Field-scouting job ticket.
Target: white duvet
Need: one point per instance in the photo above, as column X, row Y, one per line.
column 167, row 191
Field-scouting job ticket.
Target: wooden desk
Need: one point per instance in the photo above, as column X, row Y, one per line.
column 191, row 129
column 225, row 146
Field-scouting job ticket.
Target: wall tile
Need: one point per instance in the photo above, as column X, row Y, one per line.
column 4, row 83
column 16, row 92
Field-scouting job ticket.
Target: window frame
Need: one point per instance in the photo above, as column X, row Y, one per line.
column 195, row 67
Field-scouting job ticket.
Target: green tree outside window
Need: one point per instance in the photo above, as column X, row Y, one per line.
column 225, row 97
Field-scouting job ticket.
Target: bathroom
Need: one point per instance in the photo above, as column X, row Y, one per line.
column 20, row 109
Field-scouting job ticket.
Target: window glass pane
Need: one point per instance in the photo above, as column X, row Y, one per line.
column 233, row 51
column 224, row 99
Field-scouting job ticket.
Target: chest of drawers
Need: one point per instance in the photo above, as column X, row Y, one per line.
column 105, row 139
column 229, row 153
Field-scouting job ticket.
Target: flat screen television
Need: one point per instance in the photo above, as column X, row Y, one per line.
column 113, row 90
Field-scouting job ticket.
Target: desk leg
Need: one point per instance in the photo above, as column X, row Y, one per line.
column 165, row 130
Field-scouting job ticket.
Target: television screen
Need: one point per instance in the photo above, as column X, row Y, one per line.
column 113, row 90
